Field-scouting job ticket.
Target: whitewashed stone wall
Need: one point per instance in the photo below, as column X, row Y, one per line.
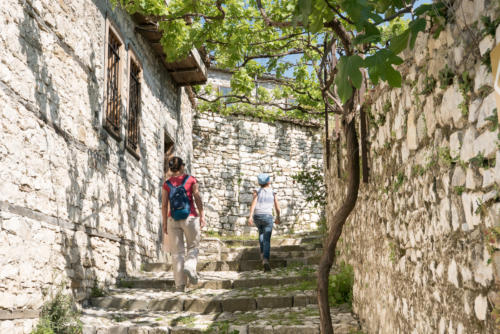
column 76, row 208
column 421, row 237
column 229, row 153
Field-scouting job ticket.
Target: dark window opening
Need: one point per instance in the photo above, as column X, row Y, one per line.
column 168, row 152
column 113, row 84
column 134, row 107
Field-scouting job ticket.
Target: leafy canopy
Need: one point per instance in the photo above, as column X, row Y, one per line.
column 296, row 41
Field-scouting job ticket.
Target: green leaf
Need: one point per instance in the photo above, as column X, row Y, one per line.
column 400, row 42
column 393, row 77
column 380, row 67
column 348, row 75
column 304, row 8
column 423, row 9
column 371, row 35
column 415, row 27
column 358, row 10
column 375, row 17
column 363, row 39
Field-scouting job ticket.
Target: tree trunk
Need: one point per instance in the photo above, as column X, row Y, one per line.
column 337, row 223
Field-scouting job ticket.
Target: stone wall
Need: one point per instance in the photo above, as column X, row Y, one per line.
column 229, row 153
column 76, row 208
column 422, row 235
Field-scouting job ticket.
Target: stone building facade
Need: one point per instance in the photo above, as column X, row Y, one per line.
column 79, row 205
column 424, row 235
column 229, row 153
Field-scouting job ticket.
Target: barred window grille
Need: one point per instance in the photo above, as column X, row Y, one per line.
column 134, row 106
column 113, row 80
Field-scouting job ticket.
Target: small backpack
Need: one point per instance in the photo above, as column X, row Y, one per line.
column 179, row 200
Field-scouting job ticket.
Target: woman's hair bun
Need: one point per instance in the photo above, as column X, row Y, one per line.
column 175, row 164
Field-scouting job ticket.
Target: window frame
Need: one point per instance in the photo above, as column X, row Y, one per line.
column 111, row 28
column 133, row 59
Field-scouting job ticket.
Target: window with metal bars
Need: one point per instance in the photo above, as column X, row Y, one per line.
column 113, row 105
column 134, row 106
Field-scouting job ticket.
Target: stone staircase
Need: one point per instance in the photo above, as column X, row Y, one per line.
column 233, row 294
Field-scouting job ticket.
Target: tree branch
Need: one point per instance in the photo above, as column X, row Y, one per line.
column 277, row 39
column 407, row 9
column 327, row 82
column 269, row 22
column 222, row 15
column 288, row 84
column 291, row 52
column 340, row 31
column 338, row 12
column 244, row 99
column 335, row 99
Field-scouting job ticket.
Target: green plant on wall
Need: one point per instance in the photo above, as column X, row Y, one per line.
column 340, row 289
column 97, row 291
column 445, row 157
column 398, row 182
column 313, row 184
column 418, row 170
column 465, row 87
column 387, row 107
column 480, row 208
column 59, row 316
column 484, row 91
column 429, row 85
column 480, row 161
column 494, row 120
column 446, row 76
column 439, row 17
column 492, row 236
column 490, row 26
column 486, row 60
column 459, row 190
column 393, row 252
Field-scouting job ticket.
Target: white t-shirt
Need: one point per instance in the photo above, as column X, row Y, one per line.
column 265, row 201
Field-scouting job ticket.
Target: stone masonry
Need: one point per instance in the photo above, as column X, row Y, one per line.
column 424, row 234
column 229, row 153
column 76, row 208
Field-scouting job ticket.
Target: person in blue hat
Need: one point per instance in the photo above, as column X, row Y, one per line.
column 261, row 215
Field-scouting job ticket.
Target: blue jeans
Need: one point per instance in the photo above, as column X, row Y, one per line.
column 265, row 225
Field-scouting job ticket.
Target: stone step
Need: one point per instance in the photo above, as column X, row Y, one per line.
column 275, row 242
column 240, row 265
column 208, row 300
column 253, row 253
column 294, row 320
column 223, row 279
column 282, row 248
column 214, row 249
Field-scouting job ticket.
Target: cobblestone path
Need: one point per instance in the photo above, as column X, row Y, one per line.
column 233, row 295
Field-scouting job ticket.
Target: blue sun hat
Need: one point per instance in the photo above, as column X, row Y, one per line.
column 263, row 179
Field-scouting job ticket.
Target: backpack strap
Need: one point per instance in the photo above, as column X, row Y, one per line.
column 171, row 186
column 185, row 180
